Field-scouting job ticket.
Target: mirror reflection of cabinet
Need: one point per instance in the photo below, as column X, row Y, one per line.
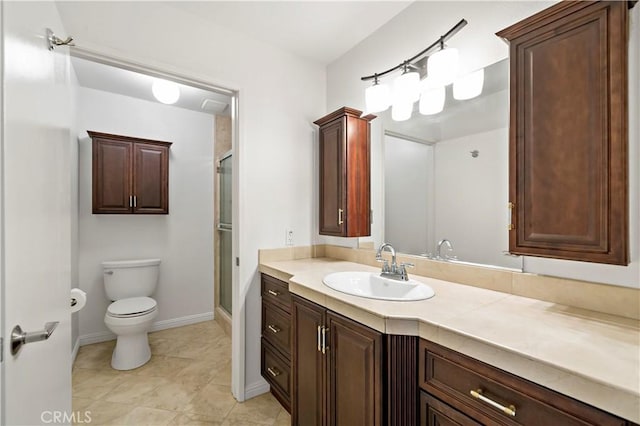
column 345, row 195
column 568, row 133
column 130, row 175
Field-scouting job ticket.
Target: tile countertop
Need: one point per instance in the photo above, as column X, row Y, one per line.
column 589, row 356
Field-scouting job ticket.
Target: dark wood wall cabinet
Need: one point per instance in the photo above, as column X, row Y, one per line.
column 345, row 193
column 459, row 390
column 276, row 338
column 130, row 175
column 568, row 132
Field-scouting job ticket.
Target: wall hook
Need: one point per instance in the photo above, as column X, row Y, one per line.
column 53, row 40
column 475, row 153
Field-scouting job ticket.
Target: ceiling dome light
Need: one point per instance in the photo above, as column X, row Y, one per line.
column 406, row 88
column 432, row 100
column 442, row 66
column 377, row 97
column 468, row 86
column 165, row 91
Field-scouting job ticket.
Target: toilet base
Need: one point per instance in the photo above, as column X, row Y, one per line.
column 131, row 351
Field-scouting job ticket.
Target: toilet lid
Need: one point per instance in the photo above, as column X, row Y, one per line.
column 132, row 306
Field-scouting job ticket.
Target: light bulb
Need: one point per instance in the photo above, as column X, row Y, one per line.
column 406, row 88
column 442, row 66
column 432, row 100
column 468, row 86
column 377, row 97
column 401, row 111
column 165, row 91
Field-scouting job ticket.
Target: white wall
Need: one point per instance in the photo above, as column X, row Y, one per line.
column 183, row 239
column 280, row 96
column 423, row 22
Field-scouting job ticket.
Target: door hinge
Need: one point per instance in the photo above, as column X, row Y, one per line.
column 237, row 261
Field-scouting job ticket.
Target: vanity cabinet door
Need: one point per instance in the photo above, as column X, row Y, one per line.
column 308, row 403
column 354, row 373
column 568, row 133
column 434, row 412
column 345, row 195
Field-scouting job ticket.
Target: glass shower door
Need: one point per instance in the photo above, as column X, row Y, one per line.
column 224, row 230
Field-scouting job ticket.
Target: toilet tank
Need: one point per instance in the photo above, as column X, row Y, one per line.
column 130, row 278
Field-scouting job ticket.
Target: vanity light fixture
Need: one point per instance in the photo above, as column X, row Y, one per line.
column 165, row 91
column 441, row 70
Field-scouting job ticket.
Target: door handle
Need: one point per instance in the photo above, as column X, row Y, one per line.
column 19, row 337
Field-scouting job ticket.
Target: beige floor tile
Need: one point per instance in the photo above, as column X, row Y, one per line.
column 105, row 413
column 163, row 366
column 147, row 416
column 94, row 384
column 192, row 419
column 170, row 396
column 221, row 375
column 199, row 373
column 213, row 400
column 96, row 356
column 79, row 404
column 134, row 389
column 263, row 409
column 283, row 419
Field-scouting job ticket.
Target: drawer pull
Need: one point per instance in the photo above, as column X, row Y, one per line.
column 274, row 328
column 273, row 292
column 319, row 339
column 273, row 371
column 324, row 339
column 510, row 410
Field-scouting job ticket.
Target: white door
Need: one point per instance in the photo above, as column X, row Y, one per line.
column 36, row 207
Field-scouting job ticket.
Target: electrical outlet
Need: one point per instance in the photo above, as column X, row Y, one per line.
column 288, row 240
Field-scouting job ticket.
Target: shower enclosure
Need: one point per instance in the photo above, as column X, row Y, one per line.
column 224, row 231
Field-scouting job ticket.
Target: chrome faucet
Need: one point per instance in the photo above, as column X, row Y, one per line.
column 443, row 242
column 395, row 271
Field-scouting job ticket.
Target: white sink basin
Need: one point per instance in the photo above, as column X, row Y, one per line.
column 373, row 286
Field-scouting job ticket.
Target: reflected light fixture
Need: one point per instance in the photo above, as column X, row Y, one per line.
column 468, row 86
column 441, row 70
column 165, row 91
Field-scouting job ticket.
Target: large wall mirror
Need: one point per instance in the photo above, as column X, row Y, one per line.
column 446, row 178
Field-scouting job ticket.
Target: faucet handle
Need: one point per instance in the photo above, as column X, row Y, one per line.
column 409, row 264
column 403, row 270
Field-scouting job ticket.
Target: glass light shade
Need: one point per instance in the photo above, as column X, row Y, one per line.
column 401, row 111
column 165, row 91
column 442, row 66
column 406, row 88
column 468, row 86
column 377, row 98
column 432, row 101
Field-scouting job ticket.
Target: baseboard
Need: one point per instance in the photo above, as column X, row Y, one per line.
column 74, row 351
column 255, row 389
column 103, row 336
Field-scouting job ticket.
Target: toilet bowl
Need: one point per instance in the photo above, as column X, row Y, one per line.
column 129, row 284
column 130, row 319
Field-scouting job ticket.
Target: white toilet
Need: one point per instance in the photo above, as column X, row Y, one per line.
column 129, row 283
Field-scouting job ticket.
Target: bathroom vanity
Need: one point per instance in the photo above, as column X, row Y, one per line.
column 468, row 356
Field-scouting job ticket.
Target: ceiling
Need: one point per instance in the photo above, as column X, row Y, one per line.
column 321, row 31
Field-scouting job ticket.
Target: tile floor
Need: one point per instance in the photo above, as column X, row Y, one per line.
column 186, row 382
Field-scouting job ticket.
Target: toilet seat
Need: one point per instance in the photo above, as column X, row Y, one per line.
column 131, row 307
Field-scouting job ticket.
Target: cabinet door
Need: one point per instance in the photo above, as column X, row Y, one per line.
column 151, row 171
column 308, row 364
column 332, row 178
column 112, row 179
column 354, row 394
column 568, row 132
column 434, row 412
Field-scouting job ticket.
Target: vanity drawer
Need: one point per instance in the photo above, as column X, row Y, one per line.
column 276, row 328
column 276, row 292
column 434, row 412
column 452, row 377
column 277, row 371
